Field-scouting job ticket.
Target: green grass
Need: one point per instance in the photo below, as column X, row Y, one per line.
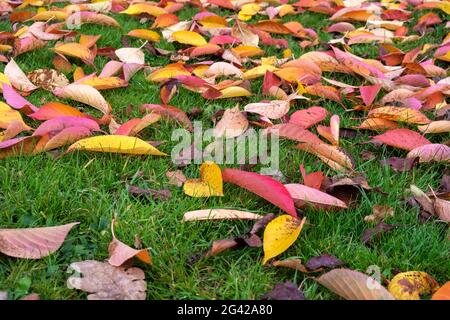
column 92, row 188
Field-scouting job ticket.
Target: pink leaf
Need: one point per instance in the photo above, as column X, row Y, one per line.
column 264, row 186
column 16, row 101
column 33, row 243
column 58, row 124
column 306, row 195
column 431, row 152
column 308, row 117
column 401, row 138
column 294, row 132
column 369, row 93
column 67, row 136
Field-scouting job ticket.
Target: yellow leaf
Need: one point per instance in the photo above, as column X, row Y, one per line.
column 280, row 234
column 105, row 83
column 258, row 71
column 411, row 285
column 399, row 114
column 3, row 79
column 444, row 6
column 168, row 72
column 250, row 9
column 8, row 115
column 47, row 15
column 233, row 92
column 247, row 51
column 116, row 144
column 243, row 17
column 5, row 48
column 189, row 37
column 149, row 35
column 213, row 22
column 209, row 184
column 74, row 50
column 147, row 8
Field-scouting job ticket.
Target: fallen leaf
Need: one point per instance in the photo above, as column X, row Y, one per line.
column 219, row 214
column 323, row 261
column 18, row 78
column 154, row 194
column 48, row 79
column 209, row 184
column 353, row 285
column 116, row 144
column 263, row 186
column 304, row 195
column 379, row 213
column 106, row 282
column 84, row 94
column 431, row 152
column 400, row 164
column 131, row 55
column 443, row 293
column 280, row 234
column 401, row 138
column 373, row 233
column 411, row 285
column 284, row 291
column 33, row 243
column 176, row 178
column 232, row 124
column 119, row 252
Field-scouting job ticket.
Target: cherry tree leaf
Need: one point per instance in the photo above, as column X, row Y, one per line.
column 353, row 285
column 264, row 186
column 33, row 243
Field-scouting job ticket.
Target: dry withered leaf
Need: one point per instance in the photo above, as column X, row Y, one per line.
column 48, row 79
column 323, row 261
column 176, row 178
column 400, row 164
column 291, row 263
column 376, row 232
column 161, row 195
column 354, row 285
column 284, row 291
column 379, row 213
column 105, row 282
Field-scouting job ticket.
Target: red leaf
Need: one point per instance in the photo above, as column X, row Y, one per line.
column 308, row 117
column 369, row 93
column 401, row 138
column 264, row 186
column 313, row 179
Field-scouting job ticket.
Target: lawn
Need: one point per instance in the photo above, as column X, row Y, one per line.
column 93, row 188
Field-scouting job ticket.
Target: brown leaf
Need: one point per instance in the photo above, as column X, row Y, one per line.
column 379, row 213
column 284, row 291
column 292, row 263
column 370, row 234
column 176, row 178
column 48, row 79
column 353, row 285
column 400, row 164
column 154, row 194
column 105, row 282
